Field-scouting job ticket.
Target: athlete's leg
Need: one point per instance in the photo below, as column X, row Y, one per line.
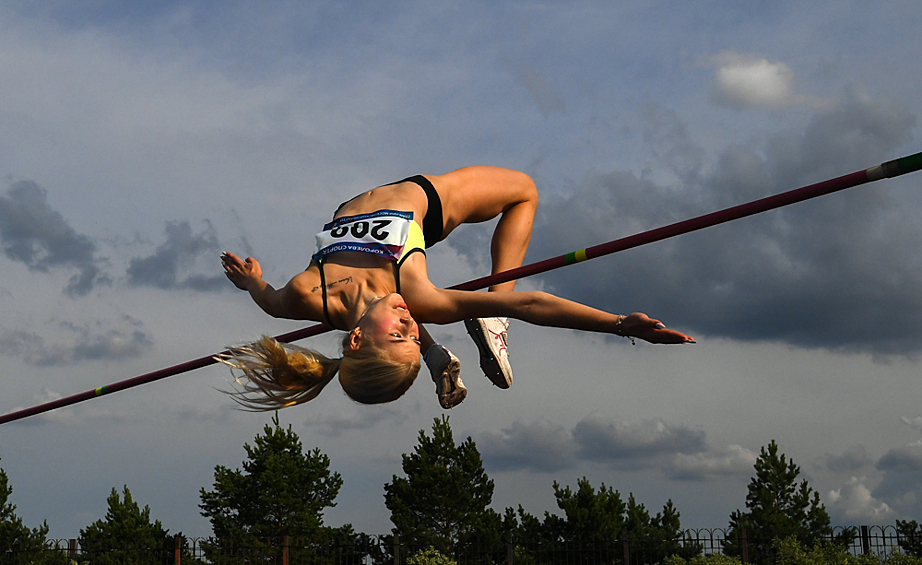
column 478, row 194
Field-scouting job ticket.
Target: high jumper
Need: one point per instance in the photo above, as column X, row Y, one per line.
column 369, row 278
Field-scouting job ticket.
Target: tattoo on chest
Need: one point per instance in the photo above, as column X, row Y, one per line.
column 334, row 283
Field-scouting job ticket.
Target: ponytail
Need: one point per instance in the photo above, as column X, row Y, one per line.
column 276, row 376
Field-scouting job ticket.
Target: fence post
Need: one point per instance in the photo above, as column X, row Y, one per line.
column 626, row 547
column 284, row 550
column 744, row 546
column 510, row 548
column 72, row 549
column 177, row 553
column 396, row 548
column 865, row 540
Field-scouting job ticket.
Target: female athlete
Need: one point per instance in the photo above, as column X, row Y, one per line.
column 369, row 278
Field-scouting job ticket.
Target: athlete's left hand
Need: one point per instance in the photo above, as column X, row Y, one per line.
column 643, row 327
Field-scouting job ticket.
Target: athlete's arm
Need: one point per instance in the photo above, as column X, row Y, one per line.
column 279, row 303
column 444, row 306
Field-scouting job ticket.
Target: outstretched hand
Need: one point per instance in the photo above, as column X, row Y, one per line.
column 241, row 272
column 643, row 327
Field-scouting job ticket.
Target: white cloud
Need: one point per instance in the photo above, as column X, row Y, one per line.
column 916, row 424
column 734, row 460
column 750, row 81
column 854, row 503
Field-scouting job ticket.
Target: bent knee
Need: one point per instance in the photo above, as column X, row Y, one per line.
column 525, row 193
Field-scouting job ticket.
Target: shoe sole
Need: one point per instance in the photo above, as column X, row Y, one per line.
column 448, row 387
column 488, row 364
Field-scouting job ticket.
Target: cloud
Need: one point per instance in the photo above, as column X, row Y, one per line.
column 901, row 485
column 750, row 81
column 853, row 459
column 361, row 418
column 712, row 464
column 78, row 343
column 540, row 446
column 623, row 443
column 33, row 233
column 832, row 273
column 168, row 267
column 915, row 423
column 545, row 447
column 853, row 503
column 545, row 95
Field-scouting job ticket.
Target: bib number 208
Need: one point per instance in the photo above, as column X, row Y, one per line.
column 362, row 228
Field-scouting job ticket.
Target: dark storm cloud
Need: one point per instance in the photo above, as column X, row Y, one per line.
column 32, row 233
column 544, row 447
column 901, row 485
column 840, row 272
column 852, row 460
column 365, row 419
column 539, row 446
column 618, row 443
column 99, row 341
column 170, row 265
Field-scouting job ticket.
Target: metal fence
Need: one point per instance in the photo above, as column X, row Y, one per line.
column 880, row 541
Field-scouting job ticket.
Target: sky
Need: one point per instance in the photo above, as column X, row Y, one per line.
column 139, row 140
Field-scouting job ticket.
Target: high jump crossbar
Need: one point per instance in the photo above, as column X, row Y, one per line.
column 889, row 169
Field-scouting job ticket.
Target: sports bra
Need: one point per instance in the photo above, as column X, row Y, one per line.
column 391, row 234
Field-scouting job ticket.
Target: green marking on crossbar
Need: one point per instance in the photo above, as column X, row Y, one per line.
column 575, row 257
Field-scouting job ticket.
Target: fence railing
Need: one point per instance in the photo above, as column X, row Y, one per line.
column 880, row 541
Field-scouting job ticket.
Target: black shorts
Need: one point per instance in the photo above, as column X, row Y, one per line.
column 433, row 223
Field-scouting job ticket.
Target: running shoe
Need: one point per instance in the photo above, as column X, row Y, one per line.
column 490, row 336
column 446, row 374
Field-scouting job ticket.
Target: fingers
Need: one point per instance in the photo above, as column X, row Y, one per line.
column 237, row 270
column 654, row 331
column 230, row 260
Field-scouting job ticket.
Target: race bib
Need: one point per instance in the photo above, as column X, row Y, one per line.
column 383, row 233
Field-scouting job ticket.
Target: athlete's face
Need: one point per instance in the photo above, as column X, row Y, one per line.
column 388, row 325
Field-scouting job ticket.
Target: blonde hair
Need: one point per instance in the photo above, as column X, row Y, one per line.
column 274, row 376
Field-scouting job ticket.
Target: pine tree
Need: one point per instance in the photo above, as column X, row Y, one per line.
column 588, row 515
column 777, row 507
column 125, row 535
column 18, row 540
column 601, row 522
column 280, row 491
column 443, row 500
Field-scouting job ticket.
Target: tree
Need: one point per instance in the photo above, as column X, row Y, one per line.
column 654, row 538
column 125, row 535
column 27, row 544
column 588, row 515
column 777, row 508
column 909, row 536
column 443, row 500
column 600, row 521
column 281, row 491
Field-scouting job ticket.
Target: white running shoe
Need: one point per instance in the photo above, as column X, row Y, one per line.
column 490, row 336
column 446, row 373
